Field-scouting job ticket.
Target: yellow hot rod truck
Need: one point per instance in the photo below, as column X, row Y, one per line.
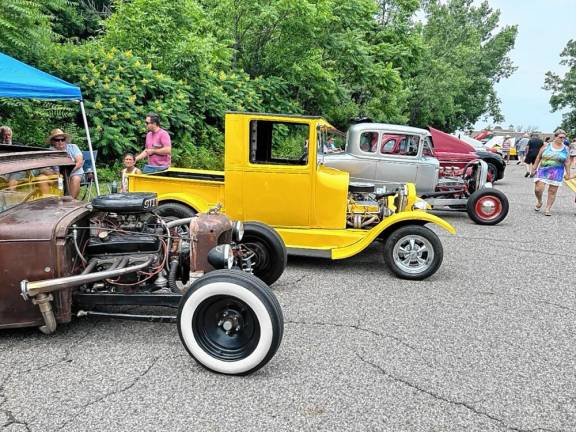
column 273, row 173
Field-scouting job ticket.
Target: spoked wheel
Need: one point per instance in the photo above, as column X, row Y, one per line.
column 230, row 322
column 413, row 252
column 487, row 206
column 269, row 251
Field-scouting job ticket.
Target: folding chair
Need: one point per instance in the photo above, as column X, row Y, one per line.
column 88, row 177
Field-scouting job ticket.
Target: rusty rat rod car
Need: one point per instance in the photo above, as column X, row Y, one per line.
column 390, row 155
column 274, row 173
column 61, row 257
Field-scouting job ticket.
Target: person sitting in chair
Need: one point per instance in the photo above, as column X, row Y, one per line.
column 61, row 141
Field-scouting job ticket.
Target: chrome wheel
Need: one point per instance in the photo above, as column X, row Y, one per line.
column 413, row 254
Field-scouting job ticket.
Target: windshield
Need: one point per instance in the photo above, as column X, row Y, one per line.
column 22, row 186
column 330, row 141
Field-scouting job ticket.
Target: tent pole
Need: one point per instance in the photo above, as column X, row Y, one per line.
column 90, row 146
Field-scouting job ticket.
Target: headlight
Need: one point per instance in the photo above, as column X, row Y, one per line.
column 221, row 257
column 238, row 231
column 420, row 204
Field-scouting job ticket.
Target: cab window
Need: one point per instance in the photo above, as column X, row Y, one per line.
column 401, row 145
column 388, row 146
column 278, row 143
column 369, row 142
column 427, row 147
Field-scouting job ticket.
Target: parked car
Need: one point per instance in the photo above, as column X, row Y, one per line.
column 273, row 173
column 390, row 155
column 454, row 153
column 115, row 250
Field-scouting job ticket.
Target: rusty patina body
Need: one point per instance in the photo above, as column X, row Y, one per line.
column 36, row 242
column 33, row 246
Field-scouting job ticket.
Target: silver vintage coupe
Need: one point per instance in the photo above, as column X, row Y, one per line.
column 391, row 155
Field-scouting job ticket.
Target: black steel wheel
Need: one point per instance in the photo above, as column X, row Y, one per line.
column 270, row 256
column 230, row 322
column 413, row 252
column 487, row 206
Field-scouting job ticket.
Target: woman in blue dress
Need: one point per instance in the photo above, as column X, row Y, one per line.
column 551, row 166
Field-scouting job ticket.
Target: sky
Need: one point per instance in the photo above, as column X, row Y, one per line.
column 544, row 28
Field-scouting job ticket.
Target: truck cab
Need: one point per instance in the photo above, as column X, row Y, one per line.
column 274, row 172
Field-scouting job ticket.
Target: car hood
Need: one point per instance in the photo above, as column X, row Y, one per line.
column 446, row 143
column 37, row 220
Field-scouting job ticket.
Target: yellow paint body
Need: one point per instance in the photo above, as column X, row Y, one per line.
column 306, row 204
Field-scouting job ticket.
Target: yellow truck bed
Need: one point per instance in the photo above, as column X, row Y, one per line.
column 199, row 189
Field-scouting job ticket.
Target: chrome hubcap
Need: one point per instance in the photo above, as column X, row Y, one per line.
column 413, row 254
column 488, row 206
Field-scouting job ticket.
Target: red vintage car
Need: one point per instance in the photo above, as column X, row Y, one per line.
column 454, row 154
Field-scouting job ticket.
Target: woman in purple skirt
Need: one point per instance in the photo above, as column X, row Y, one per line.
column 552, row 165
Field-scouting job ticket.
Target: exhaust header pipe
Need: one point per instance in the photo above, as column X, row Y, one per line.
column 30, row 289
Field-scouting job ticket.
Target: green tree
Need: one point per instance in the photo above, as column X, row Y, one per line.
column 563, row 88
column 25, row 27
column 322, row 49
column 80, row 19
column 465, row 55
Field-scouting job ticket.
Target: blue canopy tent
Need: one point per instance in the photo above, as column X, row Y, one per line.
column 20, row 81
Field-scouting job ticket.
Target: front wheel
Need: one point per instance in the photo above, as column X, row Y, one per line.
column 270, row 256
column 487, row 206
column 230, row 322
column 413, row 252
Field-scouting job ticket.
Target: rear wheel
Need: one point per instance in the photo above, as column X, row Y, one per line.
column 230, row 322
column 487, row 206
column 270, row 254
column 492, row 173
column 413, row 252
column 173, row 211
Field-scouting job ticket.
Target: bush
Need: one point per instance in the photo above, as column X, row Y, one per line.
column 119, row 90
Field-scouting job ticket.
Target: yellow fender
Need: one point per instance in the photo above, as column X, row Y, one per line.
column 419, row 217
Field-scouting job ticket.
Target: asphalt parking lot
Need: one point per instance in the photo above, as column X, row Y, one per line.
column 486, row 344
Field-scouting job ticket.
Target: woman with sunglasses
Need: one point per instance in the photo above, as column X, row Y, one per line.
column 61, row 141
column 551, row 166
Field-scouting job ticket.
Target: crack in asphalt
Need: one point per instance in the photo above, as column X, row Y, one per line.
column 64, row 358
column 490, row 239
column 12, row 420
column 509, row 248
column 14, row 374
column 112, row 393
column 369, row 331
column 557, row 305
column 439, row 397
column 287, row 284
column 3, row 399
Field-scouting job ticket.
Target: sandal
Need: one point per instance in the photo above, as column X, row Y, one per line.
column 547, row 212
column 538, row 207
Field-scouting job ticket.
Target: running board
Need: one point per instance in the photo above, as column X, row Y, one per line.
column 144, row 299
column 131, row 317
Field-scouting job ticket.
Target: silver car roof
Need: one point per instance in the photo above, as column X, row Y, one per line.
column 399, row 129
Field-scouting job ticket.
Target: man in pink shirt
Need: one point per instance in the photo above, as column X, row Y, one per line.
column 158, row 146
